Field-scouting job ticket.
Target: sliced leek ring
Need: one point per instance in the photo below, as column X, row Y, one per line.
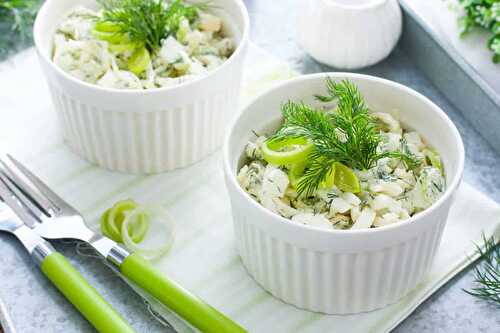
column 287, row 151
column 112, row 221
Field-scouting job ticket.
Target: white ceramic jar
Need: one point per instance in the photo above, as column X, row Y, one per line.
column 340, row 271
column 349, row 34
column 144, row 131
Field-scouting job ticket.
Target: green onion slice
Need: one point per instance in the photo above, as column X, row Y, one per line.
column 286, row 152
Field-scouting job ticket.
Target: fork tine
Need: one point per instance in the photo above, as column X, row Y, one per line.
column 35, row 187
column 19, row 207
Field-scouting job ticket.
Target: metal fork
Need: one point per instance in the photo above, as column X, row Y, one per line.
column 57, row 269
column 56, row 219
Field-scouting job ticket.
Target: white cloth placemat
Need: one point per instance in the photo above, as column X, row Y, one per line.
column 204, row 258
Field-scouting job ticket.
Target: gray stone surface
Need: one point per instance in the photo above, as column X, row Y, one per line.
column 449, row 310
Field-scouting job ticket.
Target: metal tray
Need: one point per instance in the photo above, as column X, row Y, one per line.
column 452, row 75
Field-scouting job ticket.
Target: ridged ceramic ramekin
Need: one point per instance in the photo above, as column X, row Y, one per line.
column 340, row 271
column 144, row 131
column 349, row 34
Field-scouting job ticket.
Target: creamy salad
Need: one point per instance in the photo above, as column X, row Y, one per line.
column 102, row 48
column 405, row 176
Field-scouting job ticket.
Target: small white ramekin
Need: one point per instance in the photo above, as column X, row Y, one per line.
column 144, row 131
column 349, row 34
column 340, row 271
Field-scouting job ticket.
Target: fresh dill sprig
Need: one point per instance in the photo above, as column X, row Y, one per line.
column 148, row 22
column 347, row 134
column 487, row 275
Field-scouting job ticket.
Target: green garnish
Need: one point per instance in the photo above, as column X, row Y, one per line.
column 113, row 218
column 483, row 14
column 346, row 134
column 146, row 22
column 286, row 152
column 17, row 16
column 487, row 275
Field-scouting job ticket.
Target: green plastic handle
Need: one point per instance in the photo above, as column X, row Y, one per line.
column 189, row 307
column 83, row 296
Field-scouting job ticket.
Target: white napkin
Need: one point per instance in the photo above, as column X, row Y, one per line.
column 204, row 258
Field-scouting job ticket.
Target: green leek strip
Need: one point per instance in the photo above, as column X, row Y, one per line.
column 119, row 48
column 139, row 61
column 105, row 26
column 286, row 152
column 111, row 37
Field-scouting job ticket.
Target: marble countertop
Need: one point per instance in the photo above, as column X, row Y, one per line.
column 273, row 28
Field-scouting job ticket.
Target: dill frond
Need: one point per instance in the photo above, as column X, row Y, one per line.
column 347, row 134
column 487, row 275
column 148, row 22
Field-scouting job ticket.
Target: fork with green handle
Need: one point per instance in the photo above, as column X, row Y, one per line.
column 56, row 219
column 58, row 270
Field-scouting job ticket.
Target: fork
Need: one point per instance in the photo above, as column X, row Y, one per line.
column 56, row 219
column 57, row 269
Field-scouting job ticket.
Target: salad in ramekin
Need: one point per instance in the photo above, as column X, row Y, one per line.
column 341, row 166
column 143, row 86
column 340, row 187
column 136, row 44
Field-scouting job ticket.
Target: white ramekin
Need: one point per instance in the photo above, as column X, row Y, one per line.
column 349, row 34
column 340, row 271
column 144, row 131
